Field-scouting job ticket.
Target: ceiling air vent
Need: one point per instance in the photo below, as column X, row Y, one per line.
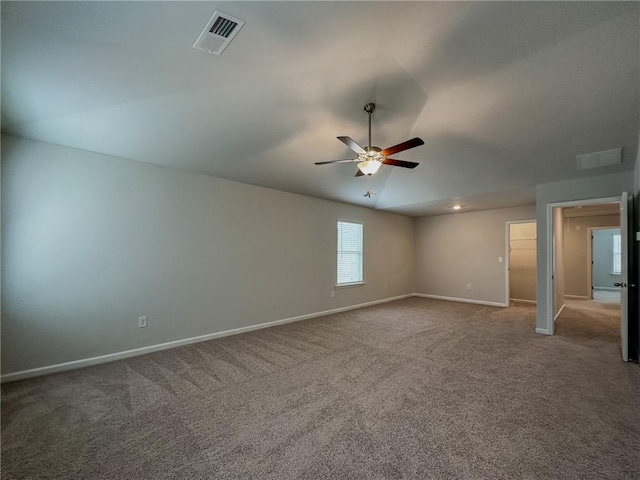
column 218, row 33
column 600, row 159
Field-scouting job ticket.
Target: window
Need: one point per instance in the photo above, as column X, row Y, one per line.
column 617, row 254
column 349, row 253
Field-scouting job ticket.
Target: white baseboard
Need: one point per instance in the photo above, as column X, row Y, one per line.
column 87, row 362
column 559, row 312
column 542, row 331
column 463, row 300
column 523, row 300
column 577, row 297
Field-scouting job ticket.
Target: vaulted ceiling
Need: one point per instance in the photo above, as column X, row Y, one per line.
column 504, row 94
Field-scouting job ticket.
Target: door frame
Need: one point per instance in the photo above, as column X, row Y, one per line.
column 507, row 257
column 551, row 254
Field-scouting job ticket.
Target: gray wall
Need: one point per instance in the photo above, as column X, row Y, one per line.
column 576, row 251
column 603, row 186
column 522, row 261
column 603, row 259
column 92, row 242
column 460, row 249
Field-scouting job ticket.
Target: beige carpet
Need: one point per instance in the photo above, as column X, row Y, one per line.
column 411, row 389
column 606, row 296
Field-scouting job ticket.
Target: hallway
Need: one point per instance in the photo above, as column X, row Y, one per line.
column 591, row 320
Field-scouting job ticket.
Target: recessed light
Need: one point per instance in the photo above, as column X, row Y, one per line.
column 457, row 207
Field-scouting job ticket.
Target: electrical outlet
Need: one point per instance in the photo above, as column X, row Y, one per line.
column 142, row 322
column 333, row 293
column 468, row 286
column 500, row 260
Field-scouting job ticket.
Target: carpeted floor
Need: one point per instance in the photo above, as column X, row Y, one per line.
column 606, row 296
column 416, row 388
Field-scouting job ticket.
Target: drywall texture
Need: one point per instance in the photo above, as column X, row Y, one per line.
column 576, row 251
column 91, row 242
column 603, row 186
column 603, row 276
column 453, row 251
column 522, row 261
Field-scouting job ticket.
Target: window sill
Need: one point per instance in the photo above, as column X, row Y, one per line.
column 354, row 284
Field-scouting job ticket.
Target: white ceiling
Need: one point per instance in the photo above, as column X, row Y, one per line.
column 505, row 95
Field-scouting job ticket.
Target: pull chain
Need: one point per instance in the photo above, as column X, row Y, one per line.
column 369, row 192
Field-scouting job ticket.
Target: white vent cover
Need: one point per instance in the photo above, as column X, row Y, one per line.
column 599, row 159
column 218, row 33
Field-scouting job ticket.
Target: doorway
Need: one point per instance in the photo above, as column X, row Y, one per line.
column 521, row 262
column 582, row 226
column 562, row 223
column 605, row 267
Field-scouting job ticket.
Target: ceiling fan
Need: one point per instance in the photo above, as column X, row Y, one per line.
column 370, row 159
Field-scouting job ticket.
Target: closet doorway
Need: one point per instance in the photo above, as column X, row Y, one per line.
column 521, row 262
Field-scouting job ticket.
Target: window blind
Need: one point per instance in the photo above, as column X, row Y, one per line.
column 349, row 253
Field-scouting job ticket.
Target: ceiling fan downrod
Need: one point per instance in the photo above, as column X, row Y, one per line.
column 369, row 108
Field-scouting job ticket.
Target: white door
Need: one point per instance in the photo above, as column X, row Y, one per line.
column 624, row 277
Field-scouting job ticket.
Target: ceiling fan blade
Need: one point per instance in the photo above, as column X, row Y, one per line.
column 399, row 163
column 349, row 142
column 348, row 160
column 359, row 173
column 401, row 147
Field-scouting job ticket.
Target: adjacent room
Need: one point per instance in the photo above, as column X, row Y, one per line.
column 521, row 266
column 309, row 240
column 591, row 255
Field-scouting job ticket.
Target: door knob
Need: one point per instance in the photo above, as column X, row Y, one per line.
column 619, row 284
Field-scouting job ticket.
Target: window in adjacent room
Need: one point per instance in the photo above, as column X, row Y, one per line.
column 349, row 253
column 617, row 254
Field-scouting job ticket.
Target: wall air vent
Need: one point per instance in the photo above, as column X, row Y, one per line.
column 605, row 158
column 218, row 33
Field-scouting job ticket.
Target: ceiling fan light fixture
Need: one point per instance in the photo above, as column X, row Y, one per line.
column 369, row 167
